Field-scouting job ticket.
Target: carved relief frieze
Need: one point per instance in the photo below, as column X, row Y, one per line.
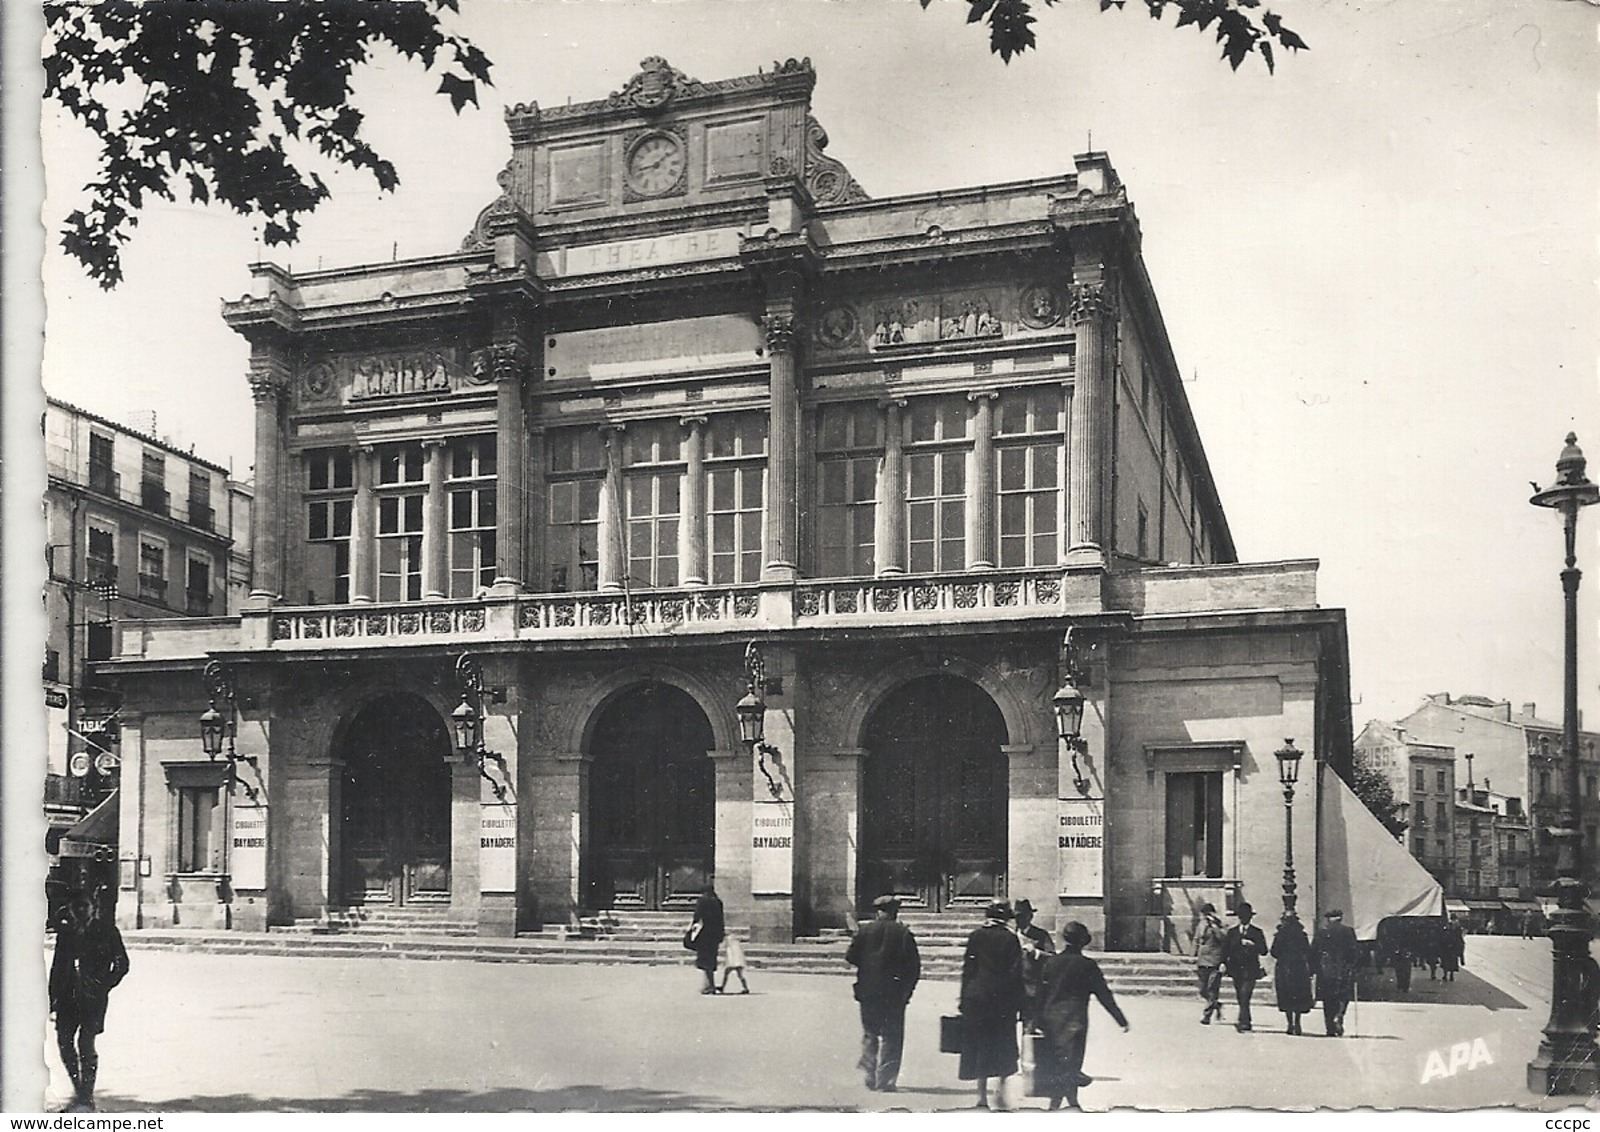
column 346, row 378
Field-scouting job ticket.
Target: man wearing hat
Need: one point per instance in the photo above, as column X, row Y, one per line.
column 884, row 954
column 1036, row 948
column 1336, row 954
column 1208, row 937
column 1242, row 949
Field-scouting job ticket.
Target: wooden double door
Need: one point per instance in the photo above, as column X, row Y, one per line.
column 933, row 815
column 395, row 833
column 652, row 791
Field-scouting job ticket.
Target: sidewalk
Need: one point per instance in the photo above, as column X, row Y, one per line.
column 248, row 1033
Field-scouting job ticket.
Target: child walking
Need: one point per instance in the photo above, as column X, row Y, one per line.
column 733, row 965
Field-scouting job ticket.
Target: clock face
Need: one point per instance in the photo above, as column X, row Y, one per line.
column 655, row 165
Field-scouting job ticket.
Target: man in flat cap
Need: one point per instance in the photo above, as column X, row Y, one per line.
column 1336, row 954
column 884, row 954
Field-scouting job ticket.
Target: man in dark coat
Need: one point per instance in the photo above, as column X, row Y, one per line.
column 1337, row 954
column 89, row 961
column 1242, row 949
column 884, row 954
column 1037, row 946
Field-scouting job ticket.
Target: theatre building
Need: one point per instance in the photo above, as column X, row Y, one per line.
column 685, row 388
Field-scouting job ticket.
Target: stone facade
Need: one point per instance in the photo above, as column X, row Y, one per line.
column 683, row 388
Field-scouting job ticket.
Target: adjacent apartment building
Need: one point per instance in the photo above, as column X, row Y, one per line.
column 136, row 529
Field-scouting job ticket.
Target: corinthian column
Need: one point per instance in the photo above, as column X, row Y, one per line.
column 267, row 382
column 436, row 525
column 890, row 529
column 778, row 532
column 510, row 362
column 1088, row 432
column 613, row 551
column 363, row 527
column 981, row 499
column 692, row 526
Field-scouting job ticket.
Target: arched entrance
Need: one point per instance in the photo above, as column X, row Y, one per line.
column 652, row 790
column 933, row 822
column 395, row 833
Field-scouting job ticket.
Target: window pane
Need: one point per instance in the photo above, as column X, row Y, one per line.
column 952, row 524
column 1045, row 462
column 342, row 511
column 921, row 477
column 460, row 510
column 388, row 515
column 750, row 493
column 1013, row 469
column 921, row 419
column 486, row 507
column 722, row 485
column 669, row 494
column 1013, row 514
column 831, row 481
column 831, row 427
column 413, row 512
column 953, row 477
column 722, row 533
column 317, row 469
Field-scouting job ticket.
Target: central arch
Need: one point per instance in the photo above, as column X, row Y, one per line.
column 934, row 811
column 395, row 809
column 652, row 789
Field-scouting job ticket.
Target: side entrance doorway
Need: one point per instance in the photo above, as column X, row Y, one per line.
column 396, row 805
column 652, row 790
column 933, row 820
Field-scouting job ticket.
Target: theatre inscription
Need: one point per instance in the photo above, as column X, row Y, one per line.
column 655, row 251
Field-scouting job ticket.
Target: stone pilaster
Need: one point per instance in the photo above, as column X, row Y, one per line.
column 981, row 547
column 829, row 812
column 735, row 815
column 553, row 835
column 363, row 527
column 435, row 524
column 1089, row 427
column 692, row 525
column 890, row 529
column 510, row 362
column 783, row 429
column 466, row 810
column 269, row 377
column 309, row 830
column 613, row 565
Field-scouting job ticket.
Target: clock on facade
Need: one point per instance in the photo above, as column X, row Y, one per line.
column 655, row 165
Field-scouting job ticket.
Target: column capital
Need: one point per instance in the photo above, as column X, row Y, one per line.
column 1089, row 301
column 979, row 395
column 891, row 402
column 435, row 442
column 500, row 362
column 693, row 419
column 779, row 328
column 269, row 377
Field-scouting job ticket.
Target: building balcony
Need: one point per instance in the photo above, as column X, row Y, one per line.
column 104, row 481
column 979, row 600
column 197, row 602
column 154, row 497
column 152, row 588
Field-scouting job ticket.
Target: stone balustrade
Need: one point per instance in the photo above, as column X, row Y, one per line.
column 966, row 598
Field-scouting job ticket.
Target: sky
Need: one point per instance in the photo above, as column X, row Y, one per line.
column 1376, row 266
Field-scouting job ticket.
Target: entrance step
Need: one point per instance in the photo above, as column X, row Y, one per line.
column 381, row 920
column 1127, row 973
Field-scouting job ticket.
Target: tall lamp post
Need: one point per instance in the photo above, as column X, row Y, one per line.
column 1567, row 1061
column 1288, row 757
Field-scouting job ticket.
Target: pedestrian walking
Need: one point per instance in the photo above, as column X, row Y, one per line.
column 733, row 964
column 89, row 960
column 884, row 954
column 1242, row 949
column 1208, row 939
column 1070, row 979
column 704, row 937
column 1037, row 947
column 1400, row 960
column 1336, row 954
column 991, row 1002
column 1452, row 952
column 1291, row 970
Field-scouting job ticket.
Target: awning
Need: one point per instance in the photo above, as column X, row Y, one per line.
column 1362, row 869
column 1455, row 906
column 1522, row 905
column 1485, row 905
column 95, row 836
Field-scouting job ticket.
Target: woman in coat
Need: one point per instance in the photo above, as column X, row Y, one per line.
column 1070, row 979
column 1291, row 976
column 991, row 1000
column 706, row 936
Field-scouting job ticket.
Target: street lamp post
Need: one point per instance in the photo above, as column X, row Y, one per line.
column 1288, row 774
column 752, row 712
column 1567, row 1062
column 466, row 721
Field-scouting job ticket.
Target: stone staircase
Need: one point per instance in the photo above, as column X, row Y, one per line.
column 622, row 937
column 412, row 920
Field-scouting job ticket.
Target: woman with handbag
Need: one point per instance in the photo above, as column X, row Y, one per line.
column 1070, row 979
column 704, row 937
column 991, row 1000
